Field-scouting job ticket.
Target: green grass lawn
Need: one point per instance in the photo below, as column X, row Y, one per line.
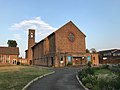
column 16, row 77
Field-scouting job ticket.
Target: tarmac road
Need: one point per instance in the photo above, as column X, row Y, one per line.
column 62, row 79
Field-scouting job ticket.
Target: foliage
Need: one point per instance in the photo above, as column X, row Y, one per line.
column 119, row 65
column 109, row 83
column 93, row 50
column 87, row 51
column 69, row 63
column 115, row 68
column 84, row 72
column 103, row 71
column 89, row 64
column 18, row 63
column 100, row 78
column 12, row 43
column 89, row 85
column 105, row 66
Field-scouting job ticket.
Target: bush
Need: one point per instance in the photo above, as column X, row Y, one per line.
column 105, row 66
column 69, row 63
column 89, row 85
column 89, row 64
column 119, row 65
column 90, row 71
column 84, row 72
column 18, row 63
column 100, row 81
column 108, row 83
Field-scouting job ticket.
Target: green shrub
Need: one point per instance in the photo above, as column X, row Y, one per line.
column 119, row 65
column 89, row 64
column 89, row 81
column 81, row 74
column 85, row 80
column 89, row 85
column 86, row 71
column 105, row 66
column 115, row 83
column 90, row 71
column 18, row 63
column 100, row 78
column 69, row 63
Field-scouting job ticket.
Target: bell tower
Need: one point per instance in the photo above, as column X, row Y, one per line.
column 31, row 42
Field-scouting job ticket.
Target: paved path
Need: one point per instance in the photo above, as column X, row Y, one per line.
column 63, row 79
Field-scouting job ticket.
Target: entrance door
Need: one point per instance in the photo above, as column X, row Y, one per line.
column 30, row 62
column 52, row 62
column 78, row 60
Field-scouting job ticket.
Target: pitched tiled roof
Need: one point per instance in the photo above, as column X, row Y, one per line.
column 9, row 50
column 110, row 50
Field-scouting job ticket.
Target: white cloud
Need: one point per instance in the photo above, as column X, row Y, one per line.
column 20, row 30
column 36, row 23
column 17, row 36
column 41, row 27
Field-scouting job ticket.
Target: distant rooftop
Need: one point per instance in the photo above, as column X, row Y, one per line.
column 9, row 50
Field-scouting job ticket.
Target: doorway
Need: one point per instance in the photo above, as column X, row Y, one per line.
column 52, row 61
column 78, row 60
column 30, row 62
column 47, row 62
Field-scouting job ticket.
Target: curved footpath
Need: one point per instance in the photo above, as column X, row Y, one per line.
column 62, row 79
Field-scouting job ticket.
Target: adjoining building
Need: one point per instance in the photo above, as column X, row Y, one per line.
column 62, row 47
column 111, row 56
column 9, row 55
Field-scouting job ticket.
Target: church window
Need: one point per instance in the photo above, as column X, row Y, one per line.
column 71, row 36
column 31, row 35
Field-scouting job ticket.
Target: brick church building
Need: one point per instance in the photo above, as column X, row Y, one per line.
column 62, row 47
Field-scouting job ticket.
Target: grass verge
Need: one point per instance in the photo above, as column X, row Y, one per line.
column 16, row 77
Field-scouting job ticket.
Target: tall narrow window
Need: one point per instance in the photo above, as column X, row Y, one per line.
column 8, row 59
column 1, row 59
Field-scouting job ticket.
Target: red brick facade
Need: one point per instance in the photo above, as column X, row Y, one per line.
column 9, row 55
column 65, row 45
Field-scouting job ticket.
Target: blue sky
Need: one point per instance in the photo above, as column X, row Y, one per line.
column 98, row 19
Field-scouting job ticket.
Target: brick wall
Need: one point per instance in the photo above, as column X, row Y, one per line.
column 63, row 44
column 52, row 47
column 10, row 58
column 58, row 45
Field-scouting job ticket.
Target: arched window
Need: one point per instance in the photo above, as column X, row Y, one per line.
column 31, row 35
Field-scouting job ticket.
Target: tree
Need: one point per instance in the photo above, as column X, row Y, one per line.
column 12, row 43
column 93, row 50
column 87, row 51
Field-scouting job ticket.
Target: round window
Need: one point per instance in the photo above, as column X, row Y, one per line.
column 71, row 36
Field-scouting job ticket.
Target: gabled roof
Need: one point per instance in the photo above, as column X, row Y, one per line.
column 70, row 22
column 9, row 50
column 110, row 50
